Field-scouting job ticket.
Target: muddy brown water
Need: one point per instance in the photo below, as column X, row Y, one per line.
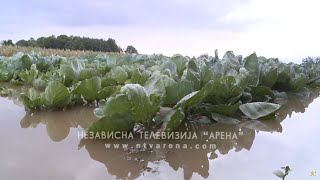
column 47, row 145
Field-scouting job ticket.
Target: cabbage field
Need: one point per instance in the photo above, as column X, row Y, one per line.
column 155, row 92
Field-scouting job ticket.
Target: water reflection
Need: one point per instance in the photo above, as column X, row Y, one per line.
column 132, row 163
column 298, row 103
column 12, row 92
column 58, row 123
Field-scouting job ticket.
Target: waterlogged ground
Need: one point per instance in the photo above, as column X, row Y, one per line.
column 46, row 146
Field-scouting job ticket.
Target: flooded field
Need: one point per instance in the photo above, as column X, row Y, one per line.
column 47, row 145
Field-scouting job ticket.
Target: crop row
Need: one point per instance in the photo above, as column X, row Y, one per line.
column 131, row 89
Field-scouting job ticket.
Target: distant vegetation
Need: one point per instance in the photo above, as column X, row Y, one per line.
column 131, row 49
column 77, row 43
column 312, row 60
column 12, row 50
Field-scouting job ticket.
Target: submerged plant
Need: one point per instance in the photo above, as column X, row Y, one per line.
column 284, row 173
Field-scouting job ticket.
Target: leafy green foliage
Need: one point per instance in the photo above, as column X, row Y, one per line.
column 56, row 95
column 68, row 74
column 89, row 88
column 139, row 77
column 258, row 109
column 193, row 74
column 175, row 92
column 130, row 89
column 195, row 98
column 251, row 63
column 26, row 61
column 180, row 62
column 117, row 104
column 133, row 99
column 119, row 74
column 224, row 119
column 32, row 99
column 173, row 119
column 226, row 90
column 28, row 75
column 157, row 84
column 116, row 122
column 225, row 109
column 141, row 107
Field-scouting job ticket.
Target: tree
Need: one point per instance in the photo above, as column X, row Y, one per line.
column 131, row 50
column 32, row 42
column 62, row 41
column 7, row 43
column 70, row 42
column 204, row 56
column 112, row 46
column 311, row 60
column 22, row 43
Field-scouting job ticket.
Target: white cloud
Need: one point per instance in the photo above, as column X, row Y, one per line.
column 273, row 28
column 282, row 28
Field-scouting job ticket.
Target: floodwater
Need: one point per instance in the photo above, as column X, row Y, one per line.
column 48, row 146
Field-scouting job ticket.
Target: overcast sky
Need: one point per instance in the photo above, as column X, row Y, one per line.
column 288, row 29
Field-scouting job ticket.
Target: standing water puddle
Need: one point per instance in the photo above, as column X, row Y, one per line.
column 47, row 145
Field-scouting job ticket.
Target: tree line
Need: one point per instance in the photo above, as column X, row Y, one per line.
column 311, row 60
column 65, row 42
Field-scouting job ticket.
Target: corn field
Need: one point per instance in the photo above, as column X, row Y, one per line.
column 11, row 50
